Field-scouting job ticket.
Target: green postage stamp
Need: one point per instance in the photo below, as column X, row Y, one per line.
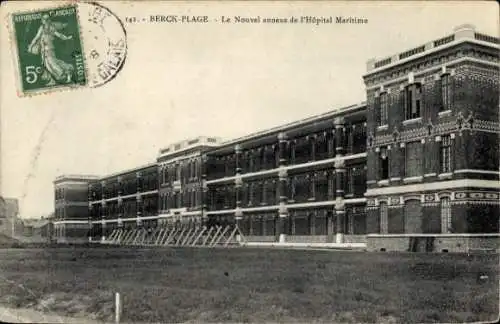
column 49, row 49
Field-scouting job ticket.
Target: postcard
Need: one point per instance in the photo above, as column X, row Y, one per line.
column 249, row 161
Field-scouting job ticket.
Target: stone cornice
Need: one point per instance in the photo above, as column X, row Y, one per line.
column 438, row 129
column 442, row 185
column 432, row 49
column 422, row 70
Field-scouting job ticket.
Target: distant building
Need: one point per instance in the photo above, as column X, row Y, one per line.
column 41, row 228
column 9, row 207
column 71, row 212
column 9, row 210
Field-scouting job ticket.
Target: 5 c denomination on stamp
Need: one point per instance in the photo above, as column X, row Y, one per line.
column 77, row 45
column 49, row 49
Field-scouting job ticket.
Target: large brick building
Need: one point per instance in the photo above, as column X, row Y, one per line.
column 432, row 120
column 419, row 157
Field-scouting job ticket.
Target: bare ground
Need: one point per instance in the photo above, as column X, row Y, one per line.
column 250, row 285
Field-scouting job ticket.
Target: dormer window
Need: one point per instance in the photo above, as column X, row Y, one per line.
column 413, row 97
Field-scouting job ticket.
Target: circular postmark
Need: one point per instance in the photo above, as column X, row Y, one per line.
column 105, row 43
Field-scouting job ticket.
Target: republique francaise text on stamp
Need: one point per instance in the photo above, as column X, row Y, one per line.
column 71, row 46
column 49, row 49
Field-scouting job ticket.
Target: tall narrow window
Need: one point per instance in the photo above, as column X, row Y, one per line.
column 350, row 181
column 251, row 161
column 445, row 93
column 322, row 146
column 445, row 154
column 293, row 188
column 350, row 220
column 408, row 101
column 276, row 150
column 445, row 215
column 179, row 199
column 263, row 158
column 263, row 192
column 312, row 186
column 192, row 202
column 413, row 167
column 197, row 169
column 291, row 151
column 331, row 185
column 413, row 101
column 383, row 164
column 349, row 138
column 383, row 107
column 384, row 222
column 178, row 172
column 251, row 187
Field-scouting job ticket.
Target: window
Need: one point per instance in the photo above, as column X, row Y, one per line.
column 445, row 215
column 197, row 169
column 293, row 188
column 312, row 185
column 359, row 139
column 277, row 155
column 331, row 145
column 412, row 217
column 321, row 190
column 178, row 172
column 331, row 185
column 445, row 93
column 178, row 200
column 383, row 164
column 383, row 218
column 291, row 151
column 414, row 157
column 382, row 109
column 348, row 138
column 264, row 192
column 322, row 146
column 445, row 154
column 412, row 101
column 251, row 187
column 350, row 180
column 250, row 162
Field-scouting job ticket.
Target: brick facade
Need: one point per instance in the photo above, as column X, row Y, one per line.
column 424, row 146
column 449, row 149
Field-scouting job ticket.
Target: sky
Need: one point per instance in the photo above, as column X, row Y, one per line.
column 184, row 80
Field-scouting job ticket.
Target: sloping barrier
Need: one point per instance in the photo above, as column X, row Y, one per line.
column 181, row 235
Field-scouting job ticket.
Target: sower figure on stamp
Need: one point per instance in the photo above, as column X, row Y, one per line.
column 43, row 45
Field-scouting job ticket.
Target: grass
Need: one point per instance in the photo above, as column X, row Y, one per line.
column 251, row 285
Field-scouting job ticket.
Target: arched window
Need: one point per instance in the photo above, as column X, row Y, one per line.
column 446, row 226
